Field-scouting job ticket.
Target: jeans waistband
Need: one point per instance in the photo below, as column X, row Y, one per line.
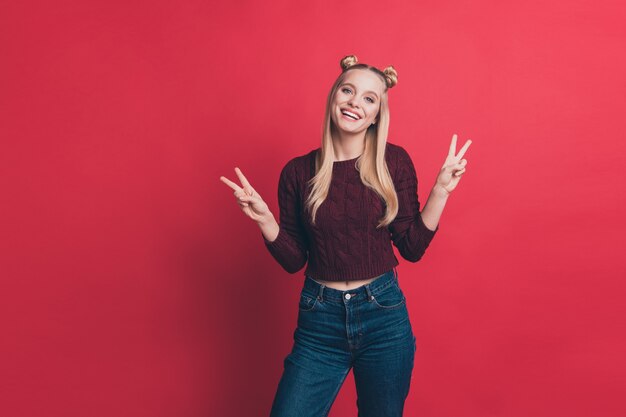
column 322, row 292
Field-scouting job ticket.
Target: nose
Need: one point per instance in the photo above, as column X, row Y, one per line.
column 353, row 101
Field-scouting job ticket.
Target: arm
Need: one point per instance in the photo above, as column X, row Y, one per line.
column 409, row 233
column 434, row 206
column 286, row 242
column 447, row 180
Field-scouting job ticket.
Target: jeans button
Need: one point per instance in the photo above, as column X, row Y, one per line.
column 348, row 296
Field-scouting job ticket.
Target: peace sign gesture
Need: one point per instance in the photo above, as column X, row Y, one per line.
column 248, row 199
column 453, row 167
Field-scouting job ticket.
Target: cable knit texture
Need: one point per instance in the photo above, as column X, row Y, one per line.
column 345, row 245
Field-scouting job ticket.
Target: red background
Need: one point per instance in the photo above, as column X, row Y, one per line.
column 133, row 285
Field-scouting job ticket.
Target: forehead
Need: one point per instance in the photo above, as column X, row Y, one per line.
column 364, row 80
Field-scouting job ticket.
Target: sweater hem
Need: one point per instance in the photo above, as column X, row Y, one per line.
column 353, row 273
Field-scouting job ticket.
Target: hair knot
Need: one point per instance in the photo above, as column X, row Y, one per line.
column 391, row 76
column 348, row 61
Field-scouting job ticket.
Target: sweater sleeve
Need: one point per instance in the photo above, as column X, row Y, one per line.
column 408, row 232
column 290, row 248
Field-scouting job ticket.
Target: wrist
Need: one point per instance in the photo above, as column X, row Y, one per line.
column 440, row 192
column 266, row 220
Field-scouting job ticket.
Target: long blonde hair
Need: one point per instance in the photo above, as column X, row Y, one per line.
column 371, row 164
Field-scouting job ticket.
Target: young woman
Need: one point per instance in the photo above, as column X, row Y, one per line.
column 342, row 206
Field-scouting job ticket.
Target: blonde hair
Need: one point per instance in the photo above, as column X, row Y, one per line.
column 371, row 164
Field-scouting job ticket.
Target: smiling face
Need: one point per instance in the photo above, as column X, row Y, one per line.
column 356, row 102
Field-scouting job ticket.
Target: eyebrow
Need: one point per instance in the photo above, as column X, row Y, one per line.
column 352, row 85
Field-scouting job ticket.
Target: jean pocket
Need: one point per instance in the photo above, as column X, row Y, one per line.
column 307, row 303
column 389, row 298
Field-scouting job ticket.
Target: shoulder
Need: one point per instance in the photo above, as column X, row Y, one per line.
column 296, row 168
column 396, row 155
column 400, row 165
column 300, row 162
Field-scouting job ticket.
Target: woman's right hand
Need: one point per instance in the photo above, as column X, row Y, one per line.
column 248, row 199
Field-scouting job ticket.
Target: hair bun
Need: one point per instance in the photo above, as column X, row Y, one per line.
column 348, row 61
column 391, row 76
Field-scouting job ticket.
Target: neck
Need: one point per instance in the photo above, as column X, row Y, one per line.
column 348, row 145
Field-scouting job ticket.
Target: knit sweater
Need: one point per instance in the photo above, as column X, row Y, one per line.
column 344, row 244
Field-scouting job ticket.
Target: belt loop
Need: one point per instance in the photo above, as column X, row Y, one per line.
column 370, row 297
column 320, row 296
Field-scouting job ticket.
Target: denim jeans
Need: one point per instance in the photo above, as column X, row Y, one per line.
column 366, row 329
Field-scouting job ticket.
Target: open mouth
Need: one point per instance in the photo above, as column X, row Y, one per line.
column 349, row 115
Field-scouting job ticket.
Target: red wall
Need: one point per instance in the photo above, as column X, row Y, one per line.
column 133, row 285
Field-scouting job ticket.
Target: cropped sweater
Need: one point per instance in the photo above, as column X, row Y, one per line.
column 344, row 244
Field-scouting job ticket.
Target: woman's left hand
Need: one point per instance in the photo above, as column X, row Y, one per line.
column 453, row 167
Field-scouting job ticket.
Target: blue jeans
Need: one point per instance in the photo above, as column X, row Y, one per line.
column 367, row 329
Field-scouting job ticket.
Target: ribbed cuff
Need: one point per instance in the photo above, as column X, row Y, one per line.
column 427, row 233
column 277, row 243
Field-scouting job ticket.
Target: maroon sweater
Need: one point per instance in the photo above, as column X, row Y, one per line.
column 344, row 244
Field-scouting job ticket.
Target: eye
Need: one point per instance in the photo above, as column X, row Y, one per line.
column 370, row 99
column 345, row 89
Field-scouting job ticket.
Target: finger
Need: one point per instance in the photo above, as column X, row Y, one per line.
column 464, row 148
column 244, row 180
column 230, row 184
column 459, row 173
column 452, row 150
column 249, row 199
column 454, row 167
column 459, row 165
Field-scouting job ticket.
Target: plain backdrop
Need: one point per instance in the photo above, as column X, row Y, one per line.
column 131, row 284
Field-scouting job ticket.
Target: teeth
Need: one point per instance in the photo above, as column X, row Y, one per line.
column 347, row 113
